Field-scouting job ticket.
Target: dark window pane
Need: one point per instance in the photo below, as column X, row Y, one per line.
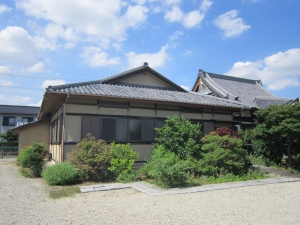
column 208, row 127
column 54, row 131
column 147, row 130
column 27, row 119
column 121, row 129
column 86, row 124
column 8, row 121
column 135, row 130
column 109, row 129
column 160, row 123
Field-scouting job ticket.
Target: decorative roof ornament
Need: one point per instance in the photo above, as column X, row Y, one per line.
column 145, row 64
column 260, row 82
column 201, row 73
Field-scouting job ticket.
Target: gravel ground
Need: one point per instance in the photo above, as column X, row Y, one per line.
column 25, row 201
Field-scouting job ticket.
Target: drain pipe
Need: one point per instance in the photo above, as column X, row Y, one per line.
column 63, row 127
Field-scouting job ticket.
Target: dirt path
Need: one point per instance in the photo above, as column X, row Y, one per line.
column 24, row 201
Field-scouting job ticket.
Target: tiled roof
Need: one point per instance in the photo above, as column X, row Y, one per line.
column 111, row 79
column 33, row 123
column 144, row 93
column 122, row 73
column 15, row 109
column 244, row 90
column 263, row 102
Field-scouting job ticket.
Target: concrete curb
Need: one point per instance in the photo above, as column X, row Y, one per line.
column 156, row 191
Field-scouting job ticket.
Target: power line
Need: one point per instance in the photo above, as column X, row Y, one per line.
column 20, row 94
column 19, row 87
column 34, row 77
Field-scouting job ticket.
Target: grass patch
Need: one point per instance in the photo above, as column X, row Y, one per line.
column 56, row 192
column 193, row 181
column 25, row 172
column 255, row 160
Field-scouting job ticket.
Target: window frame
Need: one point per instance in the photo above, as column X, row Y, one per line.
column 6, row 121
column 29, row 119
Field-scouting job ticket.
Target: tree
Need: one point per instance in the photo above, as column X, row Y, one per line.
column 180, row 136
column 9, row 136
column 279, row 126
column 223, row 154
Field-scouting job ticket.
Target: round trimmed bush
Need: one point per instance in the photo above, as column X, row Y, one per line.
column 60, row 174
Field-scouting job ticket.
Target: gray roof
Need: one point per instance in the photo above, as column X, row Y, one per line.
column 144, row 93
column 263, row 102
column 33, row 123
column 243, row 90
column 114, row 78
column 16, row 109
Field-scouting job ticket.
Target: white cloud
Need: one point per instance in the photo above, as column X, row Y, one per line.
column 205, row 5
column 69, row 45
column 47, row 83
column 188, row 52
column 37, row 104
column 278, row 71
column 230, row 24
column 174, row 15
column 17, row 46
column 4, row 8
column 15, row 100
column 4, row 82
column 172, row 2
column 134, row 17
column 155, row 60
column 89, row 18
column 4, row 70
column 176, row 35
column 185, row 87
column 37, row 68
column 284, row 83
column 54, row 31
column 140, row 2
column 190, row 19
column 96, row 57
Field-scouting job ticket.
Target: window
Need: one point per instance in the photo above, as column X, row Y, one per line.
column 27, row 119
column 8, row 121
column 114, row 129
column 56, row 130
column 141, row 130
column 123, row 129
column 160, row 123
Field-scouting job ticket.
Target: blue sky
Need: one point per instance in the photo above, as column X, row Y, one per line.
column 50, row 42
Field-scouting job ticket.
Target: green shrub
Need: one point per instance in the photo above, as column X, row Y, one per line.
column 92, row 157
column 260, row 160
column 222, row 155
column 32, row 157
column 133, row 176
column 9, row 136
column 26, row 172
column 252, row 174
column 180, row 136
column 165, row 168
column 9, row 143
column 60, row 174
column 123, row 158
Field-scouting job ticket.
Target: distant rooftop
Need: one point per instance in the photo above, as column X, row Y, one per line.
column 109, row 87
column 247, row 91
column 17, row 109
